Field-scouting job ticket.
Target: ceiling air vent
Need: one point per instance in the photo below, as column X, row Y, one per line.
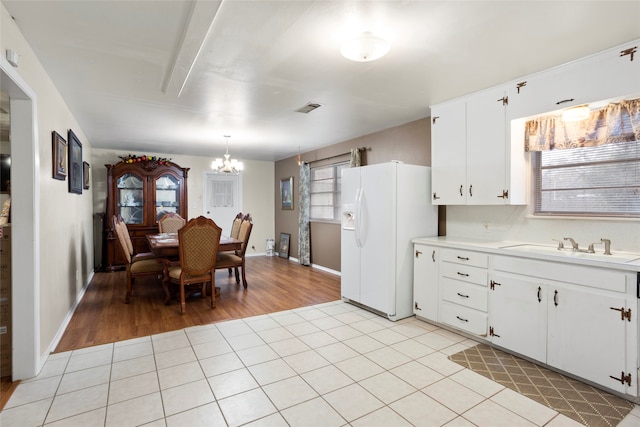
column 308, row 108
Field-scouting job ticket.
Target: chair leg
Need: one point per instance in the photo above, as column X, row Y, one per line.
column 244, row 277
column 213, row 290
column 230, row 271
column 183, row 305
column 237, row 275
column 127, row 298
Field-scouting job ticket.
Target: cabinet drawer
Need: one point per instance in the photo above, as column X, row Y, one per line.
column 464, row 318
column 463, row 293
column 474, row 259
column 464, row 272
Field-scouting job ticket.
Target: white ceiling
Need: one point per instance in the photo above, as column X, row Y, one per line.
column 175, row 76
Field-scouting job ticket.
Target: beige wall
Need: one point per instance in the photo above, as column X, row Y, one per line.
column 409, row 143
column 65, row 223
column 257, row 182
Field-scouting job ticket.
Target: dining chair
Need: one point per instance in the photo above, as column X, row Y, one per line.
column 135, row 267
column 235, row 226
column 170, row 223
column 198, row 243
column 119, row 223
column 235, row 259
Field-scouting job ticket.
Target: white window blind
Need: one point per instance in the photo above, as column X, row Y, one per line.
column 221, row 194
column 325, row 192
column 594, row 181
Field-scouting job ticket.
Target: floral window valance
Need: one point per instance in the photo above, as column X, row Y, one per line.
column 616, row 122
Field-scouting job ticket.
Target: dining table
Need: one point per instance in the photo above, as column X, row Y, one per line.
column 166, row 244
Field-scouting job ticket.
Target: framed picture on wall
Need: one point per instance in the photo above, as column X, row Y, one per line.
column 75, row 164
column 86, row 175
column 286, row 193
column 59, row 156
column 283, row 250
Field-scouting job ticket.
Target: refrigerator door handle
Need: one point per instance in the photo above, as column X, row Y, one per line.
column 357, row 219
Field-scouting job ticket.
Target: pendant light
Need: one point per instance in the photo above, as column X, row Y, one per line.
column 227, row 165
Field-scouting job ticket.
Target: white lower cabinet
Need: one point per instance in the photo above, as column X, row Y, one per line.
column 577, row 318
column 518, row 315
column 574, row 327
column 587, row 335
column 425, row 281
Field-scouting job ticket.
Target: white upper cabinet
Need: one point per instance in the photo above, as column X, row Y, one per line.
column 449, row 154
column 477, row 152
column 471, row 155
column 604, row 76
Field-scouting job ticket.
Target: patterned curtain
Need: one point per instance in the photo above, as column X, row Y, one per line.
column 616, row 122
column 304, row 246
column 355, row 158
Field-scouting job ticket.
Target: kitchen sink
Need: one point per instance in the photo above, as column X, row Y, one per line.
column 616, row 257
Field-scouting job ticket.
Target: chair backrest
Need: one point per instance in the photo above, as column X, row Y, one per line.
column 123, row 237
column 125, row 232
column 170, row 223
column 198, row 245
column 235, row 226
column 245, row 233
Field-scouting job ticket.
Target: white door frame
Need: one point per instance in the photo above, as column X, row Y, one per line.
column 25, row 222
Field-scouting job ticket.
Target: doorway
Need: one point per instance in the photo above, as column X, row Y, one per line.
column 25, row 226
column 222, row 198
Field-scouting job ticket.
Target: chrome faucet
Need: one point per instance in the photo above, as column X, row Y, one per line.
column 574, row 245
column 560, row 244
column 607, row 246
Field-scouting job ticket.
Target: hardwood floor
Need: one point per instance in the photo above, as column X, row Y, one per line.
column 275, row 284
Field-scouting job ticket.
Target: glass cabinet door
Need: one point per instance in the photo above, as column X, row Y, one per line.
column 131, row 198
column 167, row 195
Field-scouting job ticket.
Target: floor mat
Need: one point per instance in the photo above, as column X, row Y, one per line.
column 572, row 398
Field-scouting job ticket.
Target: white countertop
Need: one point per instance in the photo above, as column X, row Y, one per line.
column 619, row 260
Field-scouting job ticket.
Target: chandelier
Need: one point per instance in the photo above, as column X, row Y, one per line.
column 227, row 165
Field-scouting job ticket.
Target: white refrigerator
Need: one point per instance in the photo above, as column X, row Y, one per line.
column 384, row 207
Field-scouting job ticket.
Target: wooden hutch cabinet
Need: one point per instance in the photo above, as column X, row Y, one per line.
column 141, row 192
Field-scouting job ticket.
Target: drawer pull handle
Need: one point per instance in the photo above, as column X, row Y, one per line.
column 539, row 294
column 461, row 319
column 463, row 258
column 433, row 256
column 462, row 296
column 463, row 274
column 461, row 190
column 555, row 298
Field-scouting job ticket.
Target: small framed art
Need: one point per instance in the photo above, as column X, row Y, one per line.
column 59, row 156
column 86, row 175
column 75, row 163
column 283, row 250
column 286, row 193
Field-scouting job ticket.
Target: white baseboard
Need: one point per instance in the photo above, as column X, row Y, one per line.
column 65, row 323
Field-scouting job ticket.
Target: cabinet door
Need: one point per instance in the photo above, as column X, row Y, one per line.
column 587, row 334
column 425, row 282
column 130, row 198
column 448, row 153
column 518, row 315
column 486, row 148
column 167, row 195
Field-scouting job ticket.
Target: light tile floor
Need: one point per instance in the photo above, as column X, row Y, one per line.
column 327, row 365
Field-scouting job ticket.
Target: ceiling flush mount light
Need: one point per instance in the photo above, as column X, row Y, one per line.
column 227, row 165
column 365, row 47
column 575, row 114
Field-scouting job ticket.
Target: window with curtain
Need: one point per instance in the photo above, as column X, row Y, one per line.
column 590, row 167
column 325, row 192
